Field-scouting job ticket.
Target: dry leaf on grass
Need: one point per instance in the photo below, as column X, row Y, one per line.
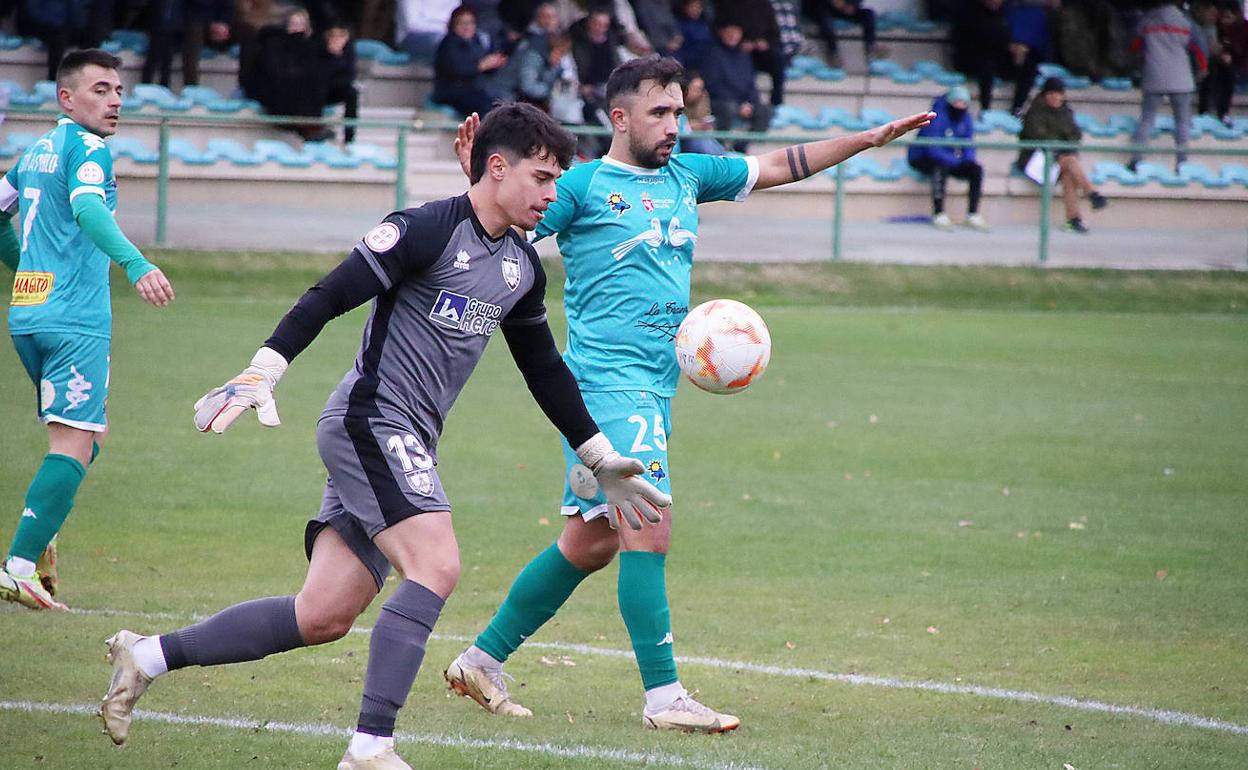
column 933, row 630
column 545, row 522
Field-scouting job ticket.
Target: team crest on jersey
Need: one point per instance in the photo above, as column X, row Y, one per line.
column 90, row 173
column 91, row 141
column 461, row 260
column 617, row 203
column 646, row 203
column 511, row 270
column 421, row 482
column 382, row 237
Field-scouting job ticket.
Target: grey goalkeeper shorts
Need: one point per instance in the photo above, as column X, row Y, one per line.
column 379, row 474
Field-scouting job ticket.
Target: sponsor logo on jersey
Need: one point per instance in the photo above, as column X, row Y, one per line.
column 617, row 203
column 511, row 270
column 456, row 311
column 43, row 163
column 421, row 482
column 45, row 144
column 382, row 237
column 461, row 260
column 655, row 469
column 91, row 141
column 78, row 386
column 32, row 288
column 90, row 173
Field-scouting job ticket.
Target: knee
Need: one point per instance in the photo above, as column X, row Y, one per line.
column 590, row 554
column 319, row 624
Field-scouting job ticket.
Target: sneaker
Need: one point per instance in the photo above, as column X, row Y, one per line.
column 1133, row 166
column 45, row 568
column 878, row 51
column 942, row 222
column 27, row 591
column 485, row 686
column 1075, row 225
column 386, row 760
column 978, row 223
column 128, row 684
column 1098, row 201
column 688, row 716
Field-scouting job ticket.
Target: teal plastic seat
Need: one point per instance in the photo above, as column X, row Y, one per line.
column 282, row 154
column 330, row 154
column 235, row 153
column 186, row 151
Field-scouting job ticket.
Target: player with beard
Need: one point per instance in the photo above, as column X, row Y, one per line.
column 626, row 225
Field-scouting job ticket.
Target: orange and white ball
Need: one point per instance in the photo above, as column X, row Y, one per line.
column 723, row 346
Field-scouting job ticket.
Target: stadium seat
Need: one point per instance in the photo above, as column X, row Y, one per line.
column 129, row 40
column 1159, row 173
column 330, row 154
column 1093, row 127
column 1116, row 84
column 1106, row 170
column 282, row 154
column 128, row 147
column 161, row 98
column 234, row 152
column 185, row 151
column 1201, row 174
column 16, row 143
column 10, row 42
column 371, row 153
column 1235, row 173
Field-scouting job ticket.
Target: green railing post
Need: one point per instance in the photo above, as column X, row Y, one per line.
column 162, row 186
column 400, row 172
column 838, row 211
column 1046, row 198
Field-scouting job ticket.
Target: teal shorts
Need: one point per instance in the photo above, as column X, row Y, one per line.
column 70, row 373
column 637, row 423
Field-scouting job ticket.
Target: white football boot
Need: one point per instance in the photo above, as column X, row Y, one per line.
column 127, row 686
column 387, row 759
column 485, row 686
column 688, row 716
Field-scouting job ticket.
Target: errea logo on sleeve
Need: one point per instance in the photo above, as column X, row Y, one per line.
column 31, row 287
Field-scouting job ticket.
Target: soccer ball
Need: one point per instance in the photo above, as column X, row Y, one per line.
column 722, row 346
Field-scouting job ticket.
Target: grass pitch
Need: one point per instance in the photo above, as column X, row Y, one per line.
column 1033, row 481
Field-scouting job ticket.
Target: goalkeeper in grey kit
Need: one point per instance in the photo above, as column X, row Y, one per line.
column 441, row 278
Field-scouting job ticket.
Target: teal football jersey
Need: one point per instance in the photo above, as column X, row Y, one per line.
column 627, row 236
column 62, row 278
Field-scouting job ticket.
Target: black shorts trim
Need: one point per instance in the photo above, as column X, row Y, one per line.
column 391, row 500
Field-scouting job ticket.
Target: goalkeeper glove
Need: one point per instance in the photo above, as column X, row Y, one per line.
column 628, row 495
column 252, row 389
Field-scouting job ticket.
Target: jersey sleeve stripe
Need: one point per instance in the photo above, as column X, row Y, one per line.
column 374, row 265
column 751, row 178
column 88, row 189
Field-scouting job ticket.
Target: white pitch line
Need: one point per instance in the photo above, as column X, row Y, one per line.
column 1164, row 716
column 321, row 730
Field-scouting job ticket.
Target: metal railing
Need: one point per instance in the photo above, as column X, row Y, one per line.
column 167, row 122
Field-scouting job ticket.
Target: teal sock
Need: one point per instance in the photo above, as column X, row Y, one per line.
column 643, row 605
column 539, row 591
column 48, row 501
column 95, row 452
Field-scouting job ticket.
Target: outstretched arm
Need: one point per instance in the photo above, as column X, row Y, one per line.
column 800, row 161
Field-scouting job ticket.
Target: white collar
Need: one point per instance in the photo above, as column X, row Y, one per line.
column 634, row 169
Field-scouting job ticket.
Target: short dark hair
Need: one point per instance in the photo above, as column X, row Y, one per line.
column 522, row 130
column 76, row 61
column 462, row 10
column 627, row 78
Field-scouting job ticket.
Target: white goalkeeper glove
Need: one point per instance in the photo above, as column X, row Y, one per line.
column 629, row 496
column 252, row 389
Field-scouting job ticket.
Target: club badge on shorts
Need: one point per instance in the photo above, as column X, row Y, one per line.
column 421, row 482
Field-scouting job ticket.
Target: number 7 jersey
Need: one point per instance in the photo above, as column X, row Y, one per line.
column 62, row 278
column 627, row 236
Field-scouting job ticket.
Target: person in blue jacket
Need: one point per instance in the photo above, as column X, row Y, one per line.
column 938, row 163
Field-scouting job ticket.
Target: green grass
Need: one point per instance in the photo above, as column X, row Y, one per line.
column 914, row 459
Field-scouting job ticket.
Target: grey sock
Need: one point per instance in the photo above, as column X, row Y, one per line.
column 395, row 652
column 247, row 631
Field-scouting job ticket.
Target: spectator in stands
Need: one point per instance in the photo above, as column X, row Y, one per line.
column 537, row 63
column 656, row 21
column 729, row 74
column 984, row 49
column 54, row 23
column 760, row 38
column 459, row 64
column 596, row 50
column 376, row 20
column 826, row 12
column 208, row 22
column 251, row 17
column 788, row 21
column 1228, row 61
column 698, row 118
column 1164, row 40
column 339, row 68
column 695, row 33
column 566, row 104
column 421, row 24
column 1085, row 38
column 1049, row 118
column 289, row 78
column 938, row 162
column 490, row 22
column 164, row 30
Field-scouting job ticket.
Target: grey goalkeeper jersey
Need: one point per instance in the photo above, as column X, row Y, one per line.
column 447, row 287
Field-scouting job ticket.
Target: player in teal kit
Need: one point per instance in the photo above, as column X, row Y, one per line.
column 60, row 316
column 627, row 225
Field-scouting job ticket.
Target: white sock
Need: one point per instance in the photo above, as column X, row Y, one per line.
column 150, row 656
column 19, row 567
column 475, row 656
column 659, row 698
column 367, row 745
